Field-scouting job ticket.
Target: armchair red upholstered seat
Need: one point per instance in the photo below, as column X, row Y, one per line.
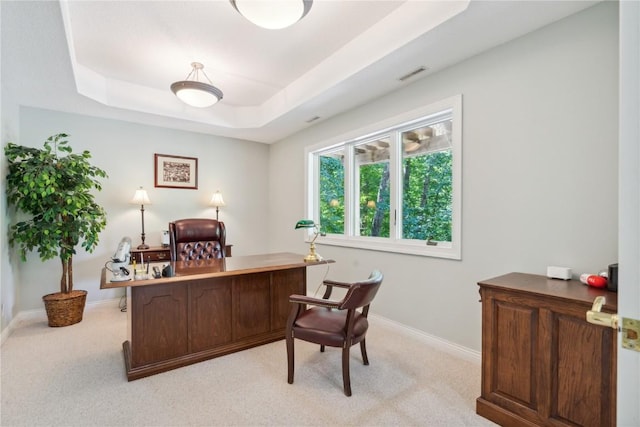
column 196, row 238
column 333, row 323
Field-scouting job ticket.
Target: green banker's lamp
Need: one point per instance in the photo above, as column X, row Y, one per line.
column 308, row 223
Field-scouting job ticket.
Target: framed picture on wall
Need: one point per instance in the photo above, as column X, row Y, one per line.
column 175, row 171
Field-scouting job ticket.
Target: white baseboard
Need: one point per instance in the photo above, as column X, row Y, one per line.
column 432, row 340
column 41, row 315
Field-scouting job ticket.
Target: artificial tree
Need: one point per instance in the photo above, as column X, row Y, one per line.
column 53, row 187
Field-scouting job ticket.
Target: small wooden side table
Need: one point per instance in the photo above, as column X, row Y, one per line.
column 160, row 253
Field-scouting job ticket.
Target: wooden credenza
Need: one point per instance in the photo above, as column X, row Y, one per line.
column 208, row 309
column 542, row 362
column 161, row 253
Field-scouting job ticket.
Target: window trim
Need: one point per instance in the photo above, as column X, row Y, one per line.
column 394, row 243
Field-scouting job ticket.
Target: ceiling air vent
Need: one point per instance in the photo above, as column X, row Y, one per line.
column 413, row 73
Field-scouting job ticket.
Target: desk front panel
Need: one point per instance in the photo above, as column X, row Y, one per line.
column 160, row 330
column 210, row 315
column 179, row 323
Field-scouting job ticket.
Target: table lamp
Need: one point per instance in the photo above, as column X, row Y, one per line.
column 308, row 223
column 141, row 198
column 217, row 201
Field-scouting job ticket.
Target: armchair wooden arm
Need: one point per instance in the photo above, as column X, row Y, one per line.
column 330, row 285
column 337, row 284
column 303, row 299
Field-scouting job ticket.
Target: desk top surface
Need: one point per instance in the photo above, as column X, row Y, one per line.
column 221, row 267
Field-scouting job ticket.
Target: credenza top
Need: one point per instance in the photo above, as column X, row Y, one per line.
column 573, row 290
column 220, row 267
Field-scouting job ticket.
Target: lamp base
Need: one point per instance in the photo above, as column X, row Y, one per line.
column 143, row 246
column 312, row 256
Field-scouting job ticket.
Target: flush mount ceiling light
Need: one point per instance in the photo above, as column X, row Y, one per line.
column 194, row 92
column 273, row 14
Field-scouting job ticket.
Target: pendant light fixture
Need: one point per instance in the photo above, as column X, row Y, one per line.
column 194, row 92
column 273, row 14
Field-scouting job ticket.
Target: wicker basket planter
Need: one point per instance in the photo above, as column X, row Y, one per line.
column 65, row 309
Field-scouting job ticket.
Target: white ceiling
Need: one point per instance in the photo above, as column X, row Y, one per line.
column 117, row 59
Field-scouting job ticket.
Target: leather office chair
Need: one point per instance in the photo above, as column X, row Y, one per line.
column 196, row 238
column 333, row 323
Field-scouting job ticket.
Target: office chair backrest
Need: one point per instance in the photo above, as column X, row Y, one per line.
column 196, row 238
column 361, row 294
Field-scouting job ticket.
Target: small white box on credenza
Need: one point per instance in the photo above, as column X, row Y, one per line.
column 563, row 273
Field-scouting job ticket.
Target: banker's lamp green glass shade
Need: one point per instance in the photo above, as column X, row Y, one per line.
column 309, row 223
column 305, row 223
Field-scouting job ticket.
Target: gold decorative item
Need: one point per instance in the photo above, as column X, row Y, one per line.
column 309, row 223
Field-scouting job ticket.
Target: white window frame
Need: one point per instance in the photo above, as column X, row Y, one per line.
column 394, row 243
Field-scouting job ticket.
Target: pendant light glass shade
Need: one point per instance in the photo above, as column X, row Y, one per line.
column 194, row 92
column 273, row 14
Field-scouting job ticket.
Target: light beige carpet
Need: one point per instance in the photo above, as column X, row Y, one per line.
column 74, row 376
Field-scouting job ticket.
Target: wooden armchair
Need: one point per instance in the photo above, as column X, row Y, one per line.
column 196, row 238
column 333, row 323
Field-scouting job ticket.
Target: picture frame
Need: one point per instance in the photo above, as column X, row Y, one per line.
column 175, row 171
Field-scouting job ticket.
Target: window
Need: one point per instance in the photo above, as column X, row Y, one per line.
column 393, row 186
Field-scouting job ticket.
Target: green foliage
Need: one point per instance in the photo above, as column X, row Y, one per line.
column 55, row 191
column 426, row 197
column 374, row 199
column 331, row 195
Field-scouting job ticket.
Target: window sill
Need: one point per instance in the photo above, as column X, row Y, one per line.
column 409, row 247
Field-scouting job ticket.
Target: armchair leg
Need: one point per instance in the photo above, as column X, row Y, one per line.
column 363, row 349
column 346, row 380
column 322, row 348
column 290, row 357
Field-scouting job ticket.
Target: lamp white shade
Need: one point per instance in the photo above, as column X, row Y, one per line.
column 217, row 200
column 273, row 14
column 140, row 197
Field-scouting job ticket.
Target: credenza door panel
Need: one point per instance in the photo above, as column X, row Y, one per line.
column 516, row 334
column 582, row 383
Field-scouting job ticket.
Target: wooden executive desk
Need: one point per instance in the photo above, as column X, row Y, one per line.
column 208, row 309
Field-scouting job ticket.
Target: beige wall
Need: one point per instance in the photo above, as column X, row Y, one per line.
column 539, row 173
column 125, row 151
column 539, row 179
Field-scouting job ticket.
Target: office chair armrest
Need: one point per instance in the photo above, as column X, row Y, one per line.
column 337, row 284
column 302, row 299
column 330, row 284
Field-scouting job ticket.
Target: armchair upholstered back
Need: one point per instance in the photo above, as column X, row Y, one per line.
column 196, row 238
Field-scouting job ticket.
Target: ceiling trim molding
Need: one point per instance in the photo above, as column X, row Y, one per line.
column 403, row 25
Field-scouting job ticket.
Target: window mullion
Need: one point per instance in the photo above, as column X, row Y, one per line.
column 395, row 196
column 350, row 206
column 313, row 202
